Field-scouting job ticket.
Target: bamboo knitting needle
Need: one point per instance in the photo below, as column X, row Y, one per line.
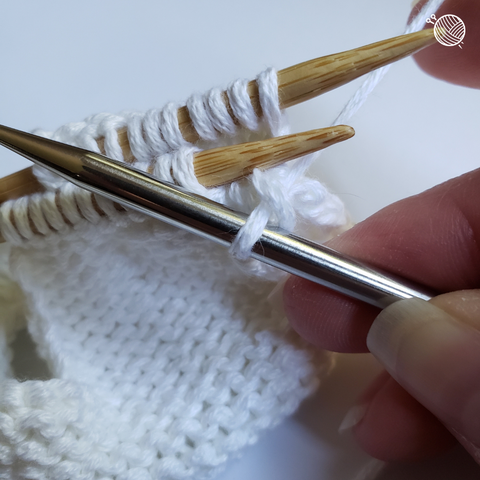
column 296, row 84
column 219, row 165
column 213, row 166
column 310, row 79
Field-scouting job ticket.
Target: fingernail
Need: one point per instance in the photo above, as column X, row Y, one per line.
column 435, row 356
column 431, row 354
column 401, row 326
column 372, row 469
column 353, row 417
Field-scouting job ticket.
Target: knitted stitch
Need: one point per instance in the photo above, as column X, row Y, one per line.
column 165, row 357
column 277, row 195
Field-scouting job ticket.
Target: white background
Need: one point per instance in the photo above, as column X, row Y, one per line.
column 62, row 61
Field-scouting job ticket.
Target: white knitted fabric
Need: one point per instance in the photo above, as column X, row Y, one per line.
column 165, row 356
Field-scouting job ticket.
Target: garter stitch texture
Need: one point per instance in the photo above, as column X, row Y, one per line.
column 165, row 357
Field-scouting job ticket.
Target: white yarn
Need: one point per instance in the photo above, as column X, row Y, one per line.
column 165, row 358
column 155, row 139
column 241, row 106
column 164, row 355
column 375, row 77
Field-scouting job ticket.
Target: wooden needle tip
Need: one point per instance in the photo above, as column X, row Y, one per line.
column 219, row 165
column 345, row 131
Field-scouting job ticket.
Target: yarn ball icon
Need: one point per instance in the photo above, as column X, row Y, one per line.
column 449, row 30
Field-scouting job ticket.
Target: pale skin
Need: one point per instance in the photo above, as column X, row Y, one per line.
column 428, row 399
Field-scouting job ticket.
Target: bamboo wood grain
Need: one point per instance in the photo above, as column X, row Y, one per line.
column 213, row 166
column 241, row 159
column 296, row 84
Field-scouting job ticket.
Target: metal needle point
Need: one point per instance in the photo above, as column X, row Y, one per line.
column 199, row 215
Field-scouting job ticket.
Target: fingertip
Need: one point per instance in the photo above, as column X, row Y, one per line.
column 395, row 427
column 409, row 246
column 435, row 357
column 325, row 318
column 456, row 65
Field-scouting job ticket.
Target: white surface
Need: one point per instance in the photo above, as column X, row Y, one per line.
column 62, row 61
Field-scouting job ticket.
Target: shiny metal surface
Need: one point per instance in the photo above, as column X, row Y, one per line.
column 174, row 205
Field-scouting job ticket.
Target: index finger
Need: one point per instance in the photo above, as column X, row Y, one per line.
column 432, row 239
column 455, row 65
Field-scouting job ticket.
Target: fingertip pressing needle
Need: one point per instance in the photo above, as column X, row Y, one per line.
column 296, row 84
column 211, row 220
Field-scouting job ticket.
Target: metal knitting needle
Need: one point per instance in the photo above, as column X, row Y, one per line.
column 196, row 214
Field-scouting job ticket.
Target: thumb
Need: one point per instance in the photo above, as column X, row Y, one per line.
column 433, row 350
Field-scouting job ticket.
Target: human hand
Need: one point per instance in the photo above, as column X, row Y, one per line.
column 459, row 66
column 431, row 349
